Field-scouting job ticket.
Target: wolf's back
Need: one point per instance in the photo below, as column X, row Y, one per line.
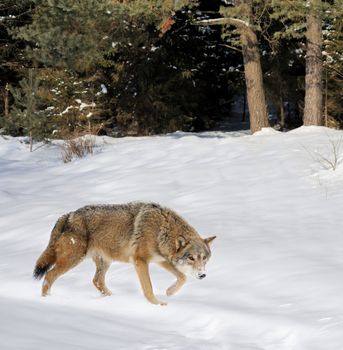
column 48, row 257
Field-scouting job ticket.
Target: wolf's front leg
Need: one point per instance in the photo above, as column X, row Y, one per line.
column 99, row 278
column 142, row 270
column 180, row 281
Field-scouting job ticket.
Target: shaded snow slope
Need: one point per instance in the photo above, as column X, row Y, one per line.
column 275, row 278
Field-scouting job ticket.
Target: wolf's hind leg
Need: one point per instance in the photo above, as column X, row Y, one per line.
column 142, row 270
column 99, row 278
column 180, row 281
column 70, row 250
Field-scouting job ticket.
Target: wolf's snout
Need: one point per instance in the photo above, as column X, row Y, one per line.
column 201, row 276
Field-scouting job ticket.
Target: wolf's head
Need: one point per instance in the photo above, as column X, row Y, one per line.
column 191, row 256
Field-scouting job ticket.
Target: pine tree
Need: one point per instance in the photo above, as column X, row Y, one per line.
column 166, row 77
column 305, row 19
column 161, row 73
column 66, row 40
column 68, row 34
column 243, row 17
column 72, row 103
column 24, row 113
column 333, row 64
column 13, row 14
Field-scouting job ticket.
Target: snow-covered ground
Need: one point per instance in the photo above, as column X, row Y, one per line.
column 275, row 279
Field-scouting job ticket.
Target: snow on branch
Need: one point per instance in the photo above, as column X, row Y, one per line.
column 240, row 24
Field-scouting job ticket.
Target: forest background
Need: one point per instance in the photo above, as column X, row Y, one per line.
column 142, row 67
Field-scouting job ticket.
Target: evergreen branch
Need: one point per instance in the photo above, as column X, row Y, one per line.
column 336, row 70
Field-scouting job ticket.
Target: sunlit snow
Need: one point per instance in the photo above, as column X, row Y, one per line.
column 274, row 281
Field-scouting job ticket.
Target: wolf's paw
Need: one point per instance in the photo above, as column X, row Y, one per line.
column 157, row 302
column 172, row 289
column 106, row 293
column 45, row 289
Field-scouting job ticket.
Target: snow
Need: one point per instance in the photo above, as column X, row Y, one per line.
column 103, row 88
column 82, row 105
column 67, row 110
column 85, row 105
column 274, row 281
column 102, row 91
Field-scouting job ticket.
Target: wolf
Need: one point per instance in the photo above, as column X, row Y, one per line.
column 139, row 233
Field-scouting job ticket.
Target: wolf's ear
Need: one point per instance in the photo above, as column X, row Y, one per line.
column 209, row 240
column 180, row 242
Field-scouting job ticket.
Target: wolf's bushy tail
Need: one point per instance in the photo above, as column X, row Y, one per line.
column 48, row 257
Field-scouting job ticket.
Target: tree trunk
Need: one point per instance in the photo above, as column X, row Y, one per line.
column 314, row 63
column 277, row 87
column 6, row 102
column 281, row 112
column 254, row 81
column 31, row 141
column 252, row 70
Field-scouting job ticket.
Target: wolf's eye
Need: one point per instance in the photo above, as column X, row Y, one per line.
column 191, row 258
column 204, row 258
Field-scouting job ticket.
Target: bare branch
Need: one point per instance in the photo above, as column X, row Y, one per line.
column 231, row 47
